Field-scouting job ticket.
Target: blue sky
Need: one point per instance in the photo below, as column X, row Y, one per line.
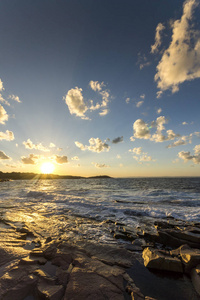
column 100, row 87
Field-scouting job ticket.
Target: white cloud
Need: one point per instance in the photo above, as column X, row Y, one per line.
column 94, row 107
column 104, row 112
column 52, row 145
column 184, row 123
column 29, row 145
column 142, row 61
column 127, row 100
column 136, row 150
column 2, row 100
column 3, row 156
column 141, row 129
column 75, row 102
column 139, row 103
column 75, row 158
column 96, row 86
column 61, row 159
column 100, row 165
column 96, row 145
column 3, row 115
column 32, row 159
column 142, row 96
column 186, row 155
column 15, row 98
column 1, row 85
column 181, row 61
column 8, row 136
column 118, row 156
column 154, row 48
column 159, row 110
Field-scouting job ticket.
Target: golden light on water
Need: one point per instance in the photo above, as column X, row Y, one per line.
column 47, row 168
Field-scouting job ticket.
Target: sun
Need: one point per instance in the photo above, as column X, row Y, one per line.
column 47, row 168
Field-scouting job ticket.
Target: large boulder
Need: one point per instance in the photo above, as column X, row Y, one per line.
column 159, row 260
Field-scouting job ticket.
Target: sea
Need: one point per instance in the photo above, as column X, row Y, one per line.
column 55, row 205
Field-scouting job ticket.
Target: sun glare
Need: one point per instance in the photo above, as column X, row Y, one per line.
column 47, row 168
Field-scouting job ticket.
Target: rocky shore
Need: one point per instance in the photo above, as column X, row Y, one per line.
column 36, row 265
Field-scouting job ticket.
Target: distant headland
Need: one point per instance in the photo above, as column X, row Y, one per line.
column 27, row 176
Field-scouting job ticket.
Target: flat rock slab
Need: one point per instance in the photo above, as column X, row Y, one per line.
column 157, row 260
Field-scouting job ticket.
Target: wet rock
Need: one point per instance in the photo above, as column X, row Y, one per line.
column 156, row 260
column 50, row 292
column 195, row 276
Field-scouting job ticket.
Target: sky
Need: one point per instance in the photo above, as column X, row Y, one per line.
column 100, row 87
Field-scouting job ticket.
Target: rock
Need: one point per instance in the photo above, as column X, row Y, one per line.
column 63, row 276
column 190, row 258
column 156, row 260
column 50, row 292
column 195, row 276
column 48, row 240
column 22, row 289
column 89, row 286
column 32, row 261
column 177, row 252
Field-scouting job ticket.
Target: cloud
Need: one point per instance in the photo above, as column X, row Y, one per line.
column 184, row 123
column 3, row 156
column 141, row 130
column 142, row 96
column 2, row 100
column 31, row 159
column 61, row 159
column 140, row 156
column 75, row 102
column 104, row 112
column 139, row 103
column 159, row 110
column 15, row 98
column 142, row 61
column 186, row 155
column 118, row 140
column 181, row 60
column 29, row 145
column 118, row 156
column 96, row 145
column 154, row 48
column 75, row 158
column 96, row 86
column 184, row 140
column 100, row 165
column 8, row 136
column 3, row 115
column 136, row 150
column 127, row 100
column 1, row 85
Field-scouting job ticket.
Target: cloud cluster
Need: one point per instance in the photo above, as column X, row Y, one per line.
column 141, row 130
column 181, row 60
column 139, row 103
column 140, row 156
column 29, row 145
column 15, row 98
column 78, row 106
column 95, row 145
column 32, row 159
column 184, row 140
column 8, row 136
column 186, row 155
column 154, row 48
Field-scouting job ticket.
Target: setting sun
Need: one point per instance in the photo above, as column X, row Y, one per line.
column 47, row 168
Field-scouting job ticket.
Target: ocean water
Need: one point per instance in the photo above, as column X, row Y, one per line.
column 57, row 205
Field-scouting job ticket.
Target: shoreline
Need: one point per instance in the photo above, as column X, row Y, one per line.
column 36, row 264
